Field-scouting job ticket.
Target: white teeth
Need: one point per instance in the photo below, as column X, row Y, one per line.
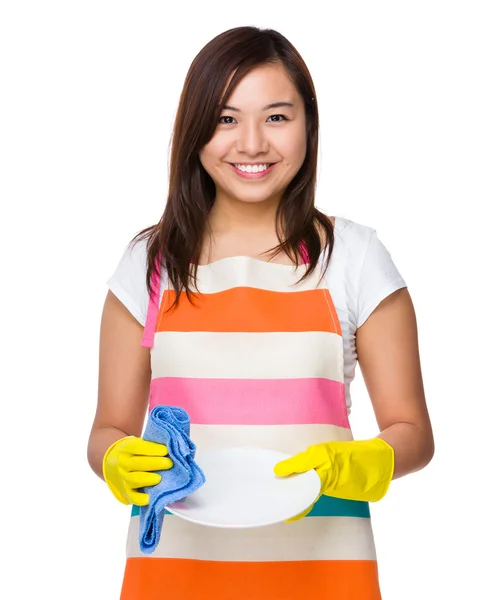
column 253, row 168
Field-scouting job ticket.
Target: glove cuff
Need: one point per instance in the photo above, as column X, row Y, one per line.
column 104, row 467
column 365, row 470
column 384, row 455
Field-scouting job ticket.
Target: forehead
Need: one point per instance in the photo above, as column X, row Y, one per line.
column 264, row 85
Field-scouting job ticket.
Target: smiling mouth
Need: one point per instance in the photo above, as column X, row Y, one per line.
column 256, row 171
column 255, row 168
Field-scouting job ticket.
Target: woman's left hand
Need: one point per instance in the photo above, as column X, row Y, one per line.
column 357, row 470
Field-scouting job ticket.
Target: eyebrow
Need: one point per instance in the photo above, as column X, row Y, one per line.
column 268, row 107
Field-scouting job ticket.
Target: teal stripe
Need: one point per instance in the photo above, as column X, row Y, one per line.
column 326, row 506
column 135, row 511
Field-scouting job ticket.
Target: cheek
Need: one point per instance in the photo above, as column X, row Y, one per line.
column 301, row 149
column 214, row 152
column 295, row 147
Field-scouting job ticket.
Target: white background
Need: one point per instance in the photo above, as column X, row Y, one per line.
column 410, row 101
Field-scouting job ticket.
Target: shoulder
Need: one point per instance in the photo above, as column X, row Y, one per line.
column 362, row 265
column 346, row 227
column 351, row 242
column 351, row 238
column 133, row 263
column 128, row 282
column 136, row 251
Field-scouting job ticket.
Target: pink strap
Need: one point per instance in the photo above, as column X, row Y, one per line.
column 304, row 253
column 153, row 308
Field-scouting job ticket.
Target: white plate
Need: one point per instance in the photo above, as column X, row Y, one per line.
column 241, row 490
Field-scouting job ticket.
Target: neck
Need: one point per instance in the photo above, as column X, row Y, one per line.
column 229, row 215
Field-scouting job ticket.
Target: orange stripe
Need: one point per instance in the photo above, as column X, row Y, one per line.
column 246, row 309
column 184, row 579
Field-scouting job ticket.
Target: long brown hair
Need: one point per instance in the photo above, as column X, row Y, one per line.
column 210, row 81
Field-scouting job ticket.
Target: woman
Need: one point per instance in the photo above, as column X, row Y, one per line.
column 269, row 304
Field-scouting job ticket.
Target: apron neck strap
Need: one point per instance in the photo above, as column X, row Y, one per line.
column 304, row 253
column 153, row 307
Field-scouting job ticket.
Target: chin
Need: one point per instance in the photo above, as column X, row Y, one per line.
column 252, row 199
column 252, row 196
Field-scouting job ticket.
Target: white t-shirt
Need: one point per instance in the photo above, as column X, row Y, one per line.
column 360, row 275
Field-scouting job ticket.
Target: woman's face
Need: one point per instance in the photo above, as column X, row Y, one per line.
column 260, row 142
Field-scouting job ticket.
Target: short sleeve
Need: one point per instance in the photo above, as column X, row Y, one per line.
column 378, row 279
column 128, row 282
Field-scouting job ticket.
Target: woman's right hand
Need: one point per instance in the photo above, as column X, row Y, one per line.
column 127, row 466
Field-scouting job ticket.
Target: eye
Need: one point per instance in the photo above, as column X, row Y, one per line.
column 226, row 120
column 278, row 118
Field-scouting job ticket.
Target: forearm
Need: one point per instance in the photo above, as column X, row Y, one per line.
column 99, row 441
column 413, row 447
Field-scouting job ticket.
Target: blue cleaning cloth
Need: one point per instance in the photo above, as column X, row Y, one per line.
column 169, row 425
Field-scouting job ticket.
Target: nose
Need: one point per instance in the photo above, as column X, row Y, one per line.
column 251, row 140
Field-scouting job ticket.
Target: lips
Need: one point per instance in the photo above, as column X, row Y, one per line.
column 251, row 175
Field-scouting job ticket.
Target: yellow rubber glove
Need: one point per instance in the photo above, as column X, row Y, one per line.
column 358, row 470
column 126, row 466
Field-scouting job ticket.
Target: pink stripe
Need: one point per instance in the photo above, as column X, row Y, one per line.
column 254, row 401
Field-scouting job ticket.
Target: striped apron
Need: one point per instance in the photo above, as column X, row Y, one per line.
column 257, row 360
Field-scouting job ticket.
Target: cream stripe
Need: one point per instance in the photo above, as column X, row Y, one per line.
column 248, row 355
column 249, row 272
column 312, row 538
column 289, row 439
